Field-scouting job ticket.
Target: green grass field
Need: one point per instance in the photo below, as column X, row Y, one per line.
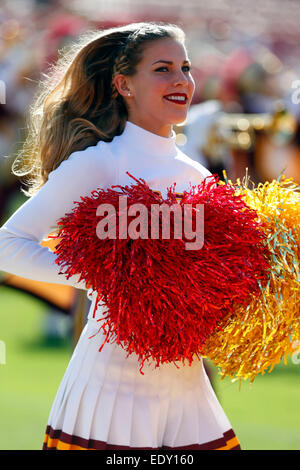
column 265, row 415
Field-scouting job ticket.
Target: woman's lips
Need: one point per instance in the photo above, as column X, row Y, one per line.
column 179, row 101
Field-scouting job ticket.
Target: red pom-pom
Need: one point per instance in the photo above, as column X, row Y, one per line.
column 163, row 299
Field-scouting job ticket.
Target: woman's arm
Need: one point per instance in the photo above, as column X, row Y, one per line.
column 20, row 250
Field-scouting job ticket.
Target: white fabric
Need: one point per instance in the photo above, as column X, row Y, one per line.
column 102, row 395
column 200, row 118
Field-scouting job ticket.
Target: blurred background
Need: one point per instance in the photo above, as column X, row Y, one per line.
column 245, row 115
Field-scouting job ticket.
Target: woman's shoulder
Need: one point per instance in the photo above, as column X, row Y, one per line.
column 97, row 154
column 90, row 165
column 95, row 157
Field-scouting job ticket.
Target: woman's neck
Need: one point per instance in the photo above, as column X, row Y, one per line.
column 162, row 131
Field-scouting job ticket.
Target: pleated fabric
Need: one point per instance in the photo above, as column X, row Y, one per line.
column 104, row 402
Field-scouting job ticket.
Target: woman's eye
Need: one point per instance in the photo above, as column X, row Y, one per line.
column 187, row 67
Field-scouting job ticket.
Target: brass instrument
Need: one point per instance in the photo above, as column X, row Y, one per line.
column 262, row 142
column 239, row 131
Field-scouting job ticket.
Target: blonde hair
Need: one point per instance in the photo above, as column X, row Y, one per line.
column 77, row 104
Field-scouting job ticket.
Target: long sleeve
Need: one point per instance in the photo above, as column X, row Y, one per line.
column 20, row 250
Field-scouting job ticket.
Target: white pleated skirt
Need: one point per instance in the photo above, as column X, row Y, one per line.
column 104, row 402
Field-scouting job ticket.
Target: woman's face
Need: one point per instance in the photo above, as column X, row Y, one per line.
column 162, row 89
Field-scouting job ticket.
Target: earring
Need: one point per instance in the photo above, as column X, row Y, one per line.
column 129, row 93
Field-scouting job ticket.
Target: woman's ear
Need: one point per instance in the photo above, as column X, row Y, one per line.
column 122, row 85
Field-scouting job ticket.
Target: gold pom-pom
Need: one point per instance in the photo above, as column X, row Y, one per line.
column 254, row 339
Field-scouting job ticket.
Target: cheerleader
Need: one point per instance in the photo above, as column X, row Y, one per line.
column 107, row 108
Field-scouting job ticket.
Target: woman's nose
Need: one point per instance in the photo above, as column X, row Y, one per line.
column 180, row 78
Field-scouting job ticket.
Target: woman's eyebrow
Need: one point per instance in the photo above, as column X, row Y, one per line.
column 170, row 62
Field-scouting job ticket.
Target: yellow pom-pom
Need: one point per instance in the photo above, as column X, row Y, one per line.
column 253, row 340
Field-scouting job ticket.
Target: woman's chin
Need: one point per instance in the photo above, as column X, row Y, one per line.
column 179, row 120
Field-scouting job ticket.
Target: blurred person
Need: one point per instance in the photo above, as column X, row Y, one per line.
column 249, row 86
column 279, row 151
column 113, row 110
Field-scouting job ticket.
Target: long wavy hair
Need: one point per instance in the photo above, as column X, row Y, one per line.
column 77, row 104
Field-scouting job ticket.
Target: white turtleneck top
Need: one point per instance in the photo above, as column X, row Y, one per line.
column 145, row 155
